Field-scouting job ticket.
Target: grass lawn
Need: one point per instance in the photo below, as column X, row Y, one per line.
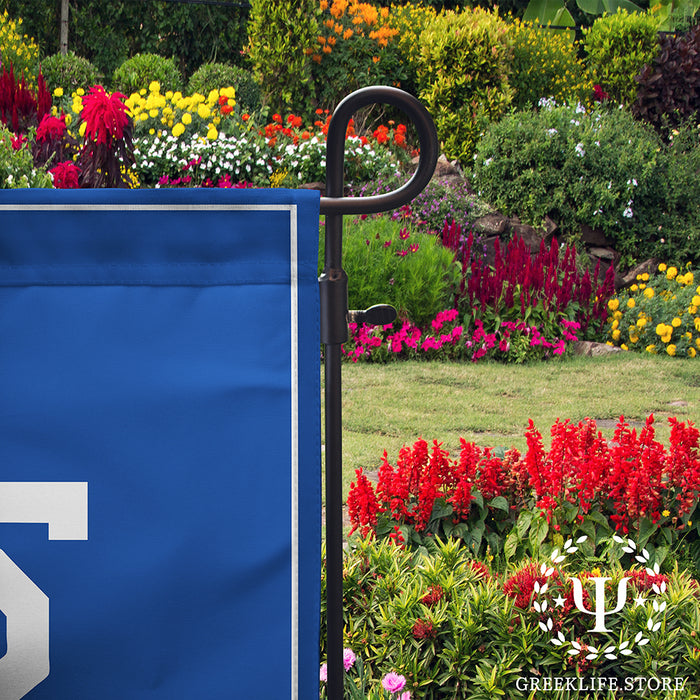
column 387, row 406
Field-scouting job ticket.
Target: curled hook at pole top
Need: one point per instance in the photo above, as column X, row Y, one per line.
column 334, row 202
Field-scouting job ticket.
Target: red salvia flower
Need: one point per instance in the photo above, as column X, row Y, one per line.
column 362, row 505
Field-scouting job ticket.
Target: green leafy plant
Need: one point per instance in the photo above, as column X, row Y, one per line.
column 138, row 72
column 214, row 76
column 546, row 64
column 17, row 168
column 388, row 262
column 281, row 38
column 463, row 71
column 617, row 47
column 658, row 314
column 69, row 72
column 597, row 168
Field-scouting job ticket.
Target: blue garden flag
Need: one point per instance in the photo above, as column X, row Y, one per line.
column 159, row 445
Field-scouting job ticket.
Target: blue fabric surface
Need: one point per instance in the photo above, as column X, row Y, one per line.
column 160, row 351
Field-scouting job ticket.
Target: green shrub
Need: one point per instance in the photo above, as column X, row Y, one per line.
column 214, row 76
column 18, row 49
column 410, row 20
column 546, row 64
column 17, row 169
column 617, row 48
column 669, row 87
column 677, row 236
column 463, row 70
column 281, row 39
column 69, row 72
column 599, row 169
column 388, row 263
column 138, row 72
column 456, row 631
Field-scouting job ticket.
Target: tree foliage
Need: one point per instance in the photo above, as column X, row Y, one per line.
column 107, row 33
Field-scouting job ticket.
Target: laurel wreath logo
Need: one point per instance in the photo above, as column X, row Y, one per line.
column 613, row 651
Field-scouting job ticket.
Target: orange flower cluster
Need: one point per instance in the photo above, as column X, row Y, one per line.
column 353, row 19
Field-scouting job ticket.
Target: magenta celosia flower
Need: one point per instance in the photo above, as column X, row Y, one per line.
column 393, row 682
column 65, row 175
column 348, row 659
column 105, row 115
column 51, row 128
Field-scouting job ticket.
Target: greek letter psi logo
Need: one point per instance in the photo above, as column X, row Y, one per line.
column 597, row 604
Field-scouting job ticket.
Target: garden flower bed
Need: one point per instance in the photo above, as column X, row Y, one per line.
column 450, row 548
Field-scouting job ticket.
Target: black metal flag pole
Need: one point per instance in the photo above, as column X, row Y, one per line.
column 333, row 284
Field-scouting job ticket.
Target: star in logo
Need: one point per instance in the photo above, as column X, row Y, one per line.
column 559, row 601
column 639, row 601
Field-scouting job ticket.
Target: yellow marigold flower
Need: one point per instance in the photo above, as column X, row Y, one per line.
column 178, row 129
column 634, row 338
column 213, row 96
column 186, row 118
column 649, row 292
column 153, row 113
column 624, row 347
column 616, row 335
column 634, row 287
column 691, row 352
column 82, row 129
column 666, row 513
column 212, row 133
column 645, row 277
column 642, row 285
column 641, row 322
column 630, row 303
column 662, row 267
column 695, row 301
column 651, row 349
column 80, row 92
column 203, row 111
column 671, row 273
column 671, row 350
column 615, row 324
column 676, row 322
column 154, row 86
column 689, row 279
column 617, row 315
column 661, row 329
column 58, row 92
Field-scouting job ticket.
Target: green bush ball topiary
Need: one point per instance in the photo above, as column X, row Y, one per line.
column 69, row 72
column 214, row 76
column 137, row 73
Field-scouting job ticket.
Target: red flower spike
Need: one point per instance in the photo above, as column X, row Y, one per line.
column 105, row 115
